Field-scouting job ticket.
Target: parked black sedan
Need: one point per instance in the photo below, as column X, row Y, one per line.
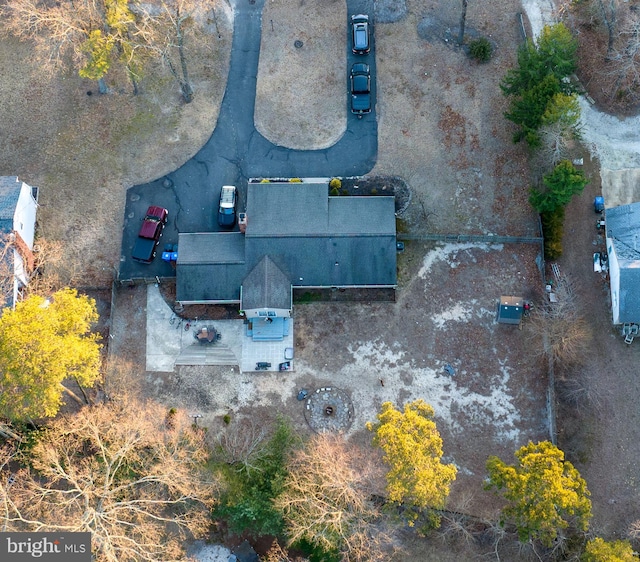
column 360, row 89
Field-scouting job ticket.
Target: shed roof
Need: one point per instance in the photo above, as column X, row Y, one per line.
column 510, row 310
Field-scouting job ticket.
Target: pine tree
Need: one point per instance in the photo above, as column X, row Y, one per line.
column 412, row 448
column 545, row 493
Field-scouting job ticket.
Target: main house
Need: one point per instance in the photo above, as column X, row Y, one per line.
column 18, row 205
column 293, row 235
column 623, row 247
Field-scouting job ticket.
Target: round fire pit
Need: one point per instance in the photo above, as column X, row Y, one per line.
column 328, row 409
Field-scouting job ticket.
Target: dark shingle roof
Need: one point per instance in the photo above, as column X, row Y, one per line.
column 267, row 286
column 210, row 266
column 286, row 209
column 623, row 228
column 10, row 188
column 210, row 247
column 315, row 240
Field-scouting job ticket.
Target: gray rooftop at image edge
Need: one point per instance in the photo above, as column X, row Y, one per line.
column 10, row 187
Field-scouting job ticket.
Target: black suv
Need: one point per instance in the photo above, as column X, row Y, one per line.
column 360, row 33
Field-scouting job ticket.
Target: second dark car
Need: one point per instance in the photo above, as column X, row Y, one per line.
column 360, row 89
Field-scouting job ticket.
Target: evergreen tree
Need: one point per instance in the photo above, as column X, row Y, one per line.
column 559, row 187
column 545, row 493
column 412, row 448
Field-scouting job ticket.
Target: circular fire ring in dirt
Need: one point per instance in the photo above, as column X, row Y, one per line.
column 328, row 409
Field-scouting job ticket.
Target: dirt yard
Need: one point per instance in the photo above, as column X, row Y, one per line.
column 84, row 149
column 441, row 129
column 444, row 315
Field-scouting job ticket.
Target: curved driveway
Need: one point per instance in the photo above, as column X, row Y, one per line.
column 236, row 152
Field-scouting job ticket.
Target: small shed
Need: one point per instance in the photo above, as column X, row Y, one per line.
column 510, row 310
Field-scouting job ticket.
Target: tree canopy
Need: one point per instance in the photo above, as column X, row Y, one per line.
column 129, row 473
column 599, row 550
column 545, row 493
column 326, row 500
column 252, row 480
column 541, row 74
column 553, row 53
column 560, row 186
column 417, row 478
column 43, row 342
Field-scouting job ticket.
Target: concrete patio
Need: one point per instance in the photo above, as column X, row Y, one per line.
column 168, row 343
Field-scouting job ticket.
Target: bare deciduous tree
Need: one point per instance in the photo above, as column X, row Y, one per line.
column 92, row 34
column 242, row 443
column 566, row 331
column 463, row 21
column 171, row 21
column 608, row 11
column 327, row 500
column 120, row 471
column 626, row 60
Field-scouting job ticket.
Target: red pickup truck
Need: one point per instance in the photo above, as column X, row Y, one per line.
column 144, row 250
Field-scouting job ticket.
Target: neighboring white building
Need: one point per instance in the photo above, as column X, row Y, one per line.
column 18, row 205
column 623, row 247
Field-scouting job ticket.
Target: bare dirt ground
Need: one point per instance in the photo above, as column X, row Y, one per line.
column 599, row 421
column 300, row 98
column 385, row 351
column 84, row 151
column 441, row 129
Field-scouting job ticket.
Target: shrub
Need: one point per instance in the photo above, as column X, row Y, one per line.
column 335, row 183
column 265, row 180
column 295, row 180
column 334, row 191
column 553, row 230
column 374, row 191
column 250, row 488
column 480, row 49
column 226, row 419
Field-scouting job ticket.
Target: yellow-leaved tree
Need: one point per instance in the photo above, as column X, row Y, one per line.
column 43, row 342
column 599, row 550
column 545, row 493
column 412, row 446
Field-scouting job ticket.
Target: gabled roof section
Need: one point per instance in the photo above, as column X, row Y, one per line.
column 364, row 216
column 623, row 228
column 267, row 286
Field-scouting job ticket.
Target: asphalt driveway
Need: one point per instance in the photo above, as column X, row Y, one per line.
column 236, row 151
